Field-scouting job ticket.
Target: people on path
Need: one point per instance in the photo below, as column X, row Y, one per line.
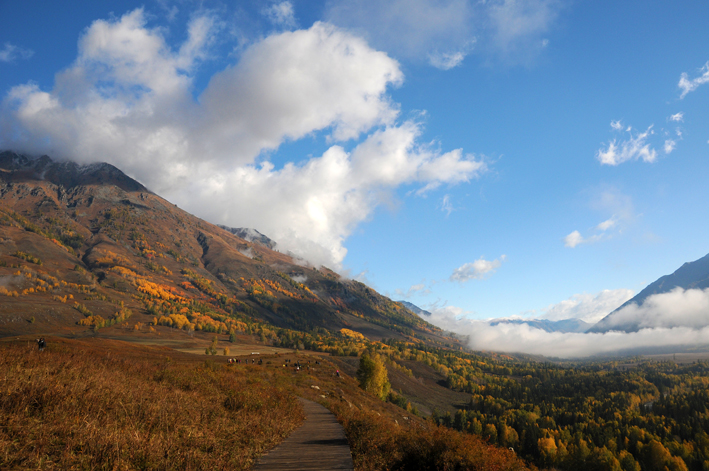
column 41, row 344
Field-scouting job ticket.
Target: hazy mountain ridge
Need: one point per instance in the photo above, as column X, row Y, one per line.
column 691, row 275
column 564, row 326
column 415, row 309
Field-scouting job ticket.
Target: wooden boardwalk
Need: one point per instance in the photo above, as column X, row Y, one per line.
column 319, row 444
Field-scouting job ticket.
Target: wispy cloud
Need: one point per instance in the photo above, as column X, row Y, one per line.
column 446, row 205
column 689, row 85
column 634, row 147
column 281, row 14
column 677, row 117
column 10, row 52
column 444, row 32
column 419, row 288
column 609, row 201
column 477, row 270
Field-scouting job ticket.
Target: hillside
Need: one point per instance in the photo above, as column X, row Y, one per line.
column 691, row 275
column 87, row 245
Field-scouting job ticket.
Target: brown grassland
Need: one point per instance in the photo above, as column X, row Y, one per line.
column 103, row 404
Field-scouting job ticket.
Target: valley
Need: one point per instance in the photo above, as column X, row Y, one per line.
column 142, row 304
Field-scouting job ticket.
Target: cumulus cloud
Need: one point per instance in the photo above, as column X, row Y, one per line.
column 281, row 14
column 675, row 319
column 633, row 148
column 477, row 270
column 445, row 31
column 128, row 100
column 589, row 308
column 689, row 85
column 10, row 52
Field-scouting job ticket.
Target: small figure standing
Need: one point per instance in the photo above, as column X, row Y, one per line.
column 40, row 344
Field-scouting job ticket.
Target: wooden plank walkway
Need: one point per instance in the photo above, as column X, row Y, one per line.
column 319, row 444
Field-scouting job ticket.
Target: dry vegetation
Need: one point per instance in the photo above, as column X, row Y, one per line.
column 76, row 407
column 102, row 404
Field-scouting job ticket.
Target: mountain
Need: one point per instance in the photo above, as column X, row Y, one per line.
column 565, row 326
column 415, row 309
column 691, row 275
column 87, row 246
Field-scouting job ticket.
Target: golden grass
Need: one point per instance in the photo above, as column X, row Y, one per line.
column 75, row 407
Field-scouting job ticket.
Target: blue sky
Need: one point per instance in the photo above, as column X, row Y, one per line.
column 535, row 158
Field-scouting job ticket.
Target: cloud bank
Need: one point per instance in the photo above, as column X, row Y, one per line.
column 589, row 308
column 679, row 318
column 128, row 99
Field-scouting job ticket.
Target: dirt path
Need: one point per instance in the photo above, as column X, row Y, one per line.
column 319, row 444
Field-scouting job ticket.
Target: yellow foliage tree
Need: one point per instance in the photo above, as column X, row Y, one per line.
column 373, row 376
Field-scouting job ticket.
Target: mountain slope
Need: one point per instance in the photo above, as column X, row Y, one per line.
column 107, row 245
column 691, row 275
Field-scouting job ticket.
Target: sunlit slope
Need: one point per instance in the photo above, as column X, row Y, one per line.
column 92, row 236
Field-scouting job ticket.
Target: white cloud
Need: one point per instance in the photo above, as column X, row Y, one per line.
column 128, row 100
column 677, row 308
column 281, row 14
column 609, row 201
column 677, row 117
column 633, row 148
column 519, row 24
column 688, row 85
column 670, row 145
column 675, row 319
column 446, row 60
column 10, row 52
column 607, row 224
column 445, row 31
column 617, row 125
column 446, row 205
column 419, row 288
column 508, row 337
column 573, row 239
column 476, row 270
column 589, row 308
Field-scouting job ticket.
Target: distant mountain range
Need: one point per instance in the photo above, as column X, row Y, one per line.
column 691, row 275
column 565, row 326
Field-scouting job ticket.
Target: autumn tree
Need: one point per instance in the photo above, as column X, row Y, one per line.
column 373, row 376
